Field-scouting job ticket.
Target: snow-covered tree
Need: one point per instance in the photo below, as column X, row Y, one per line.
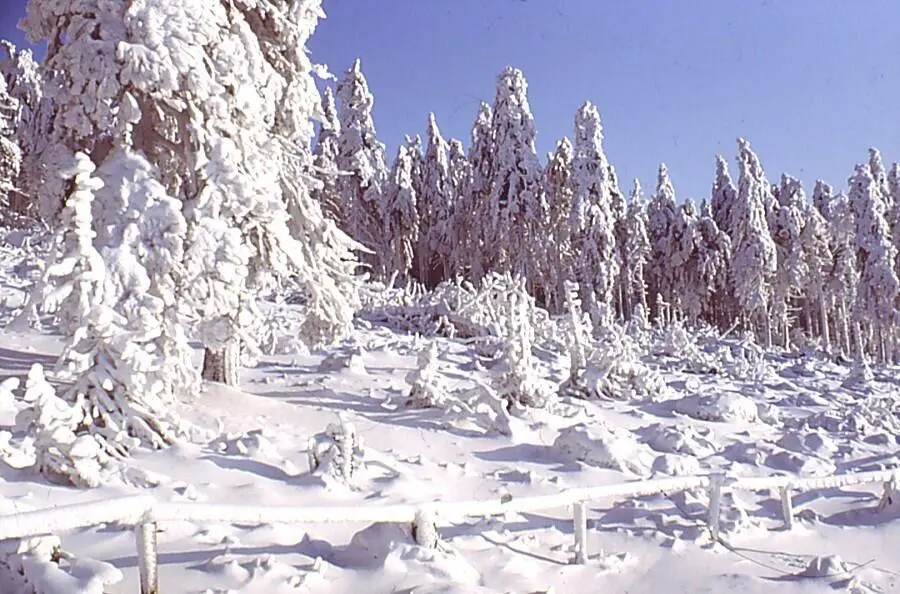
column 843, row 279
column 792, row 270
column 560, row 192
column 519, row 382
column 325, row 155
column 591, row 222
column 516, row 209
column 460, row 228
column 473, row 205
column 754, row 263
column 427, row 387
column 435, row 210
column 401, row 216
column 361, row 160
column 10, row 153
column 816, row 241
column 636, row 253
column 661, row 215
column 893, row 210
column 875, row 309
column 724, row 194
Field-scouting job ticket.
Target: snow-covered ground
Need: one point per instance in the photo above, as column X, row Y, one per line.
column 789, row 415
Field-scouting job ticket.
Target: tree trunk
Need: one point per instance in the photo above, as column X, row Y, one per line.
column 222, row 366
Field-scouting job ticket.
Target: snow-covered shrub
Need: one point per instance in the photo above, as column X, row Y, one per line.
column 678, row 343
column 280, row 328
column 605, row 446
column 519, row 381
column 61, row 455
column 726, row 407
column 427, row 385
column 615, row 370
column 578, row 334
column 336, row 452
column 481, row 408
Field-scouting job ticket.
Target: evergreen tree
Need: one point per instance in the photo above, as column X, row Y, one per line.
column 401, row 215
column 473, row 207
column 874, row 311
column 10, row 154
column 558, row 258
column 661, row 215
column 435, row 210
column 516, row 210
column 362, row 162
column 591, row 222
column 843, row 281
column 754, row 264
column 325, row 156
column 792, row 270
column 816, row 241
column 636, row 253
column 460, row 238
column 723, row 196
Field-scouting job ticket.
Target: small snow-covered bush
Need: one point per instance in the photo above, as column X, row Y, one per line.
column 61, row 455
column 718, row 407
column 578, row 343
column 615, row 370
column 427, row 386
column 605, row 446
column 336, row 452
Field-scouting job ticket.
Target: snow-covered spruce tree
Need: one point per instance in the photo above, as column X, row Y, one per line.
column 28, row 125
column 661, row 215
column 460, row 224
column 361, row 160
column 893, row 212
column 73, row 280
column 472, row 207
column 434, row 251
column 753, row 266
column 516, row 210
column 816, row 241
column 10, row 153
column 557, row 258
column 595, row 264
column 325, row 154
column 401, row 217
column 792, row 272
column 64, row 454
column 724, row 194
column 874, row 311
column 843, row 278
column 636, row 253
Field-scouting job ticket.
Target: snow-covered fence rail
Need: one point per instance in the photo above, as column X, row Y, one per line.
column 143, row 513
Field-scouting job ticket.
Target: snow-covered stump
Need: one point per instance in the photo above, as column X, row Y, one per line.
column 579, row 519
column 424, row 529
column 148, row 558
column 715, row 503
column 787, row 507
column 887, row 496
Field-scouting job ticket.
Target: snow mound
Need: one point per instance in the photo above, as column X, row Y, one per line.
column 606, row 447
column 679, row 440
column 727, row 407
column 675, row 465
column 257, row 445
column 800, row 464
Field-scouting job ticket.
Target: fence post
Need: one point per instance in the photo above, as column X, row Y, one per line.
column 579, row 519
column 715, row 503
column 787, row 507
column 148, row 560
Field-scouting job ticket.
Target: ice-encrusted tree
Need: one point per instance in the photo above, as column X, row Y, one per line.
column 816, row 241
column 822, row 198
column 636, row 253
column 402, row 222
column 10, row 153
column 519, row 382
column 591, row 221
column 460, row 227
column 893, row 211
column 875, row 309
column 792, row 270
column 560, row 192
column 218, row 102
column 661, row 215
column 361, row 159
column 724, row 194
column 325, row 155
column 435, row 246
column 843, row 278
column 473, row 205
column 516, row 209
column 754, row 262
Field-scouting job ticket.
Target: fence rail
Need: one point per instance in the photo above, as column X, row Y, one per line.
column 143, row 513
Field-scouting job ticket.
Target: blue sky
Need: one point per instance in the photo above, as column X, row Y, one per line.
column 812, row 83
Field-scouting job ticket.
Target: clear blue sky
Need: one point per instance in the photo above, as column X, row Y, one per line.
column 812, row 83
